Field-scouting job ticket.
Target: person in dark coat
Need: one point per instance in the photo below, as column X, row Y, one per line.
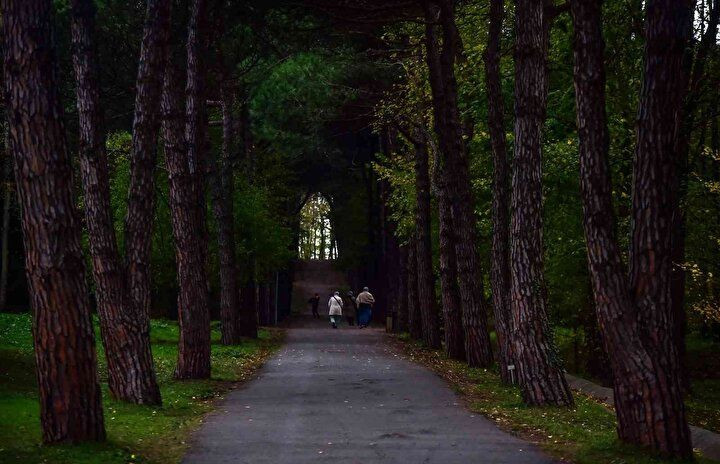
column 350, row 308
column 315, row 302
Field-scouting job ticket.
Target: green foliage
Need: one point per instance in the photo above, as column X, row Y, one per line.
column 136, row 434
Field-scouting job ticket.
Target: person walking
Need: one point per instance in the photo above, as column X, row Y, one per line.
column 335, row 305
column 365, row 302
column 350, row 307
column 314, row 303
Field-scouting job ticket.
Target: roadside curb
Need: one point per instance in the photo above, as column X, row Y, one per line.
column 707, row 442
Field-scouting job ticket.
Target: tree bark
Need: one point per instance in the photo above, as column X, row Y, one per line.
column 455, row 159
column 196, row 111
column 648, row 397
column 539, row 368
column 222, row 190
column 655, row 190
column 414, row 322
column 131, row 373
column 684, row 131
column 193, row 309
column 452, row 312
column 429, row 316
column 402, row 307
column 146, row 124
column 65, row 360
column 248, row 301
column 500, row 270
column 8, row 188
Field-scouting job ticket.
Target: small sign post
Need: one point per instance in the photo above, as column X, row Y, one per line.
column 511, row 368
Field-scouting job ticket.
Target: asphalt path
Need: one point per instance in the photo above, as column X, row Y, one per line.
column 344, row 396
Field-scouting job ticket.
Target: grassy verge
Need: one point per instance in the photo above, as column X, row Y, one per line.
column 702, row 363
column 136, row 434
column 584, row 434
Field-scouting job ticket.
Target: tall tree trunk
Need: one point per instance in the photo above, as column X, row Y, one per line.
column 452, row 313
column 131, row 374
column 65, row 360
column 655, row 190
column 146, row 124
column 500, row 271
column 8, row 188
column 455, row 159
column 402, row 302
column 539, row 369
column 414, row 323
column 429, row 316
column 222, row 190
column 684, row 133
column 648, row 398
column 193, row 310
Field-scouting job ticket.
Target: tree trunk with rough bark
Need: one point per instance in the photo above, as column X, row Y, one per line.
column 668, row 27
column 193, row 309
column 65, row 361
column 131, row 373
column 455, row 159
column 450, row 293
column 222, row 193
column 648, row 394
column 429, row 316
column 146, row 124
column 539, row 369
column 414, row 323
column 500, row 268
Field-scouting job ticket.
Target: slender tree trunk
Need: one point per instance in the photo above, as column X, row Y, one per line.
column 146, row 124
column 429, row 316
column 248, row 300
column 500, row 271
column 414, row 323
column 193, row 310
column 648, row 397
column 7, row 197
column 684, row 131
column 222, row 190
column 131, row 374
column 65, row 360
column 454, row 335
column 538, row 366
column 455, row 159
column 402, row 308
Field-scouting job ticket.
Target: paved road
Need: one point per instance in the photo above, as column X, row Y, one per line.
column 341, row 396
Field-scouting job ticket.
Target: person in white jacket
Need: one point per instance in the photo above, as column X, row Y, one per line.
column 335, row 305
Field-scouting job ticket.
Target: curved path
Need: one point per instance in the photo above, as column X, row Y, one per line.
column 342, row 396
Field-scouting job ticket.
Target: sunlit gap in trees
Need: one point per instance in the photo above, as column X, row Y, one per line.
column 317, row 240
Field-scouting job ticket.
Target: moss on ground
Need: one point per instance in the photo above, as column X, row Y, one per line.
column 136, row 434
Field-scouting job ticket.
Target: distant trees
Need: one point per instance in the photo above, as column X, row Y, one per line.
column 66, row 364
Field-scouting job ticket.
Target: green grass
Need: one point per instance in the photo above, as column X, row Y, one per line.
column 703, row 364
column 584, row 434
column 136, row 434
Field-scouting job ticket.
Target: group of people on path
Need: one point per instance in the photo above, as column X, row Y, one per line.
column 360, row 306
